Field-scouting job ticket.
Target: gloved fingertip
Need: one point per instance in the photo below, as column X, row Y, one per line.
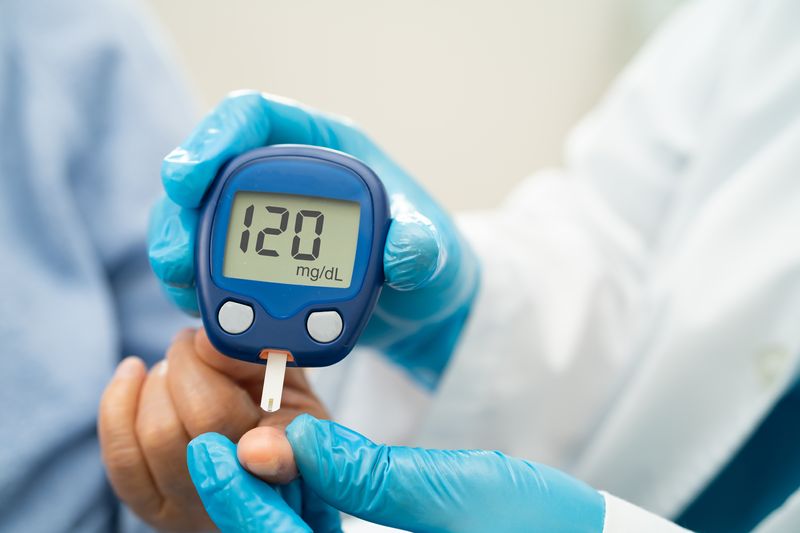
column 170, row 248
column 235, row 500
column 239, row 123
column 184, row 298
column 302, row 428
column 411, row 256
column 170, row 242
column 323, row 449
column 344, row 468
column 310, row 442
column 211, row 459
column 185, row 177
column 171, row 271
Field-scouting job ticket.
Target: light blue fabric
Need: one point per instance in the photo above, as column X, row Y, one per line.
column 431, row 274
column 409, row 488
column 88, row 110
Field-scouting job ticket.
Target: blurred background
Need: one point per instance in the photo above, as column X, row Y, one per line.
column 469, row 96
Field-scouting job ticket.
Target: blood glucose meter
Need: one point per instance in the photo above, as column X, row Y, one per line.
column 289, row 258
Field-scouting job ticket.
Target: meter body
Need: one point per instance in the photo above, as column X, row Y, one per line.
column 289, row 254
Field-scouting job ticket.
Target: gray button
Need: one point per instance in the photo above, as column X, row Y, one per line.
column 324, row 326
column 234, row 317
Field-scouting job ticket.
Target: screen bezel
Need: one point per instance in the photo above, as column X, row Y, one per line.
column 297, row 176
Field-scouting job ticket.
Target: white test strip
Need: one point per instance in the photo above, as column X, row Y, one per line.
column 273, row 381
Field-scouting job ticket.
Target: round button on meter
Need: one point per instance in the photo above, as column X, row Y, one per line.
column 324, row 326
column 235, row 318
column 289, row 254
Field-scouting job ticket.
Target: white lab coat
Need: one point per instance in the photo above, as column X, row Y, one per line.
column 639, row 312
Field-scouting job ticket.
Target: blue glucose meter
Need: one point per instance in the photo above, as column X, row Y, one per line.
column 289, row 255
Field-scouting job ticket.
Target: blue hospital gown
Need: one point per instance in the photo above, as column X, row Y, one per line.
column 89, row 107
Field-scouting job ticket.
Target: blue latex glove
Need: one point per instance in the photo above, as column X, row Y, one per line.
column 238, row 502
column 410, row 488
column 431, row 274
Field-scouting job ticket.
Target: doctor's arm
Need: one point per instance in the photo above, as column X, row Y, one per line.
column 413, row 489
column 561, row 263
column 568, row 259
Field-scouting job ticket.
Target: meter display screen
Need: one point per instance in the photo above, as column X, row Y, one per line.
column 291, row 239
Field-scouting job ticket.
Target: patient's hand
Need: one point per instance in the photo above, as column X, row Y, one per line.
column 147, row 418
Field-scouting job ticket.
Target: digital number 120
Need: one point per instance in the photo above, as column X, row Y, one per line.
column 299, row 220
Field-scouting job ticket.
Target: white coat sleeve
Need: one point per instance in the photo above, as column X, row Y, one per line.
column 624, row 517
column 565, row 259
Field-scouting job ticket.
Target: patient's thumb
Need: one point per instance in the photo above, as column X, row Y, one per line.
column 266, row 453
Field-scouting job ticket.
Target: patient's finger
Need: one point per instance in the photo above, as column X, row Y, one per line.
column 163, row 441
column 250, row 376
column 240, row 371
column 266, row 453
column 264, row 450
column 205, row 398
column 125, row 463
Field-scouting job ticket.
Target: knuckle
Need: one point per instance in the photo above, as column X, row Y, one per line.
column 205, row 418
column 176, row 354
column 157, row 436
column 221, row 416
column 121, row 457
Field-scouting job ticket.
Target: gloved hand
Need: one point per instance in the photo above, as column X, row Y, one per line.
column 431, row 274
column 238, row 502
column 408, row 488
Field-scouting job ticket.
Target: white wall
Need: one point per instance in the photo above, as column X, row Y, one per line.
column 470, row 96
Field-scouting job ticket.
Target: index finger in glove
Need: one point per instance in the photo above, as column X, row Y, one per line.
column 235, row 500
column 170, row 243
column 236, row 125
column 242, row 121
